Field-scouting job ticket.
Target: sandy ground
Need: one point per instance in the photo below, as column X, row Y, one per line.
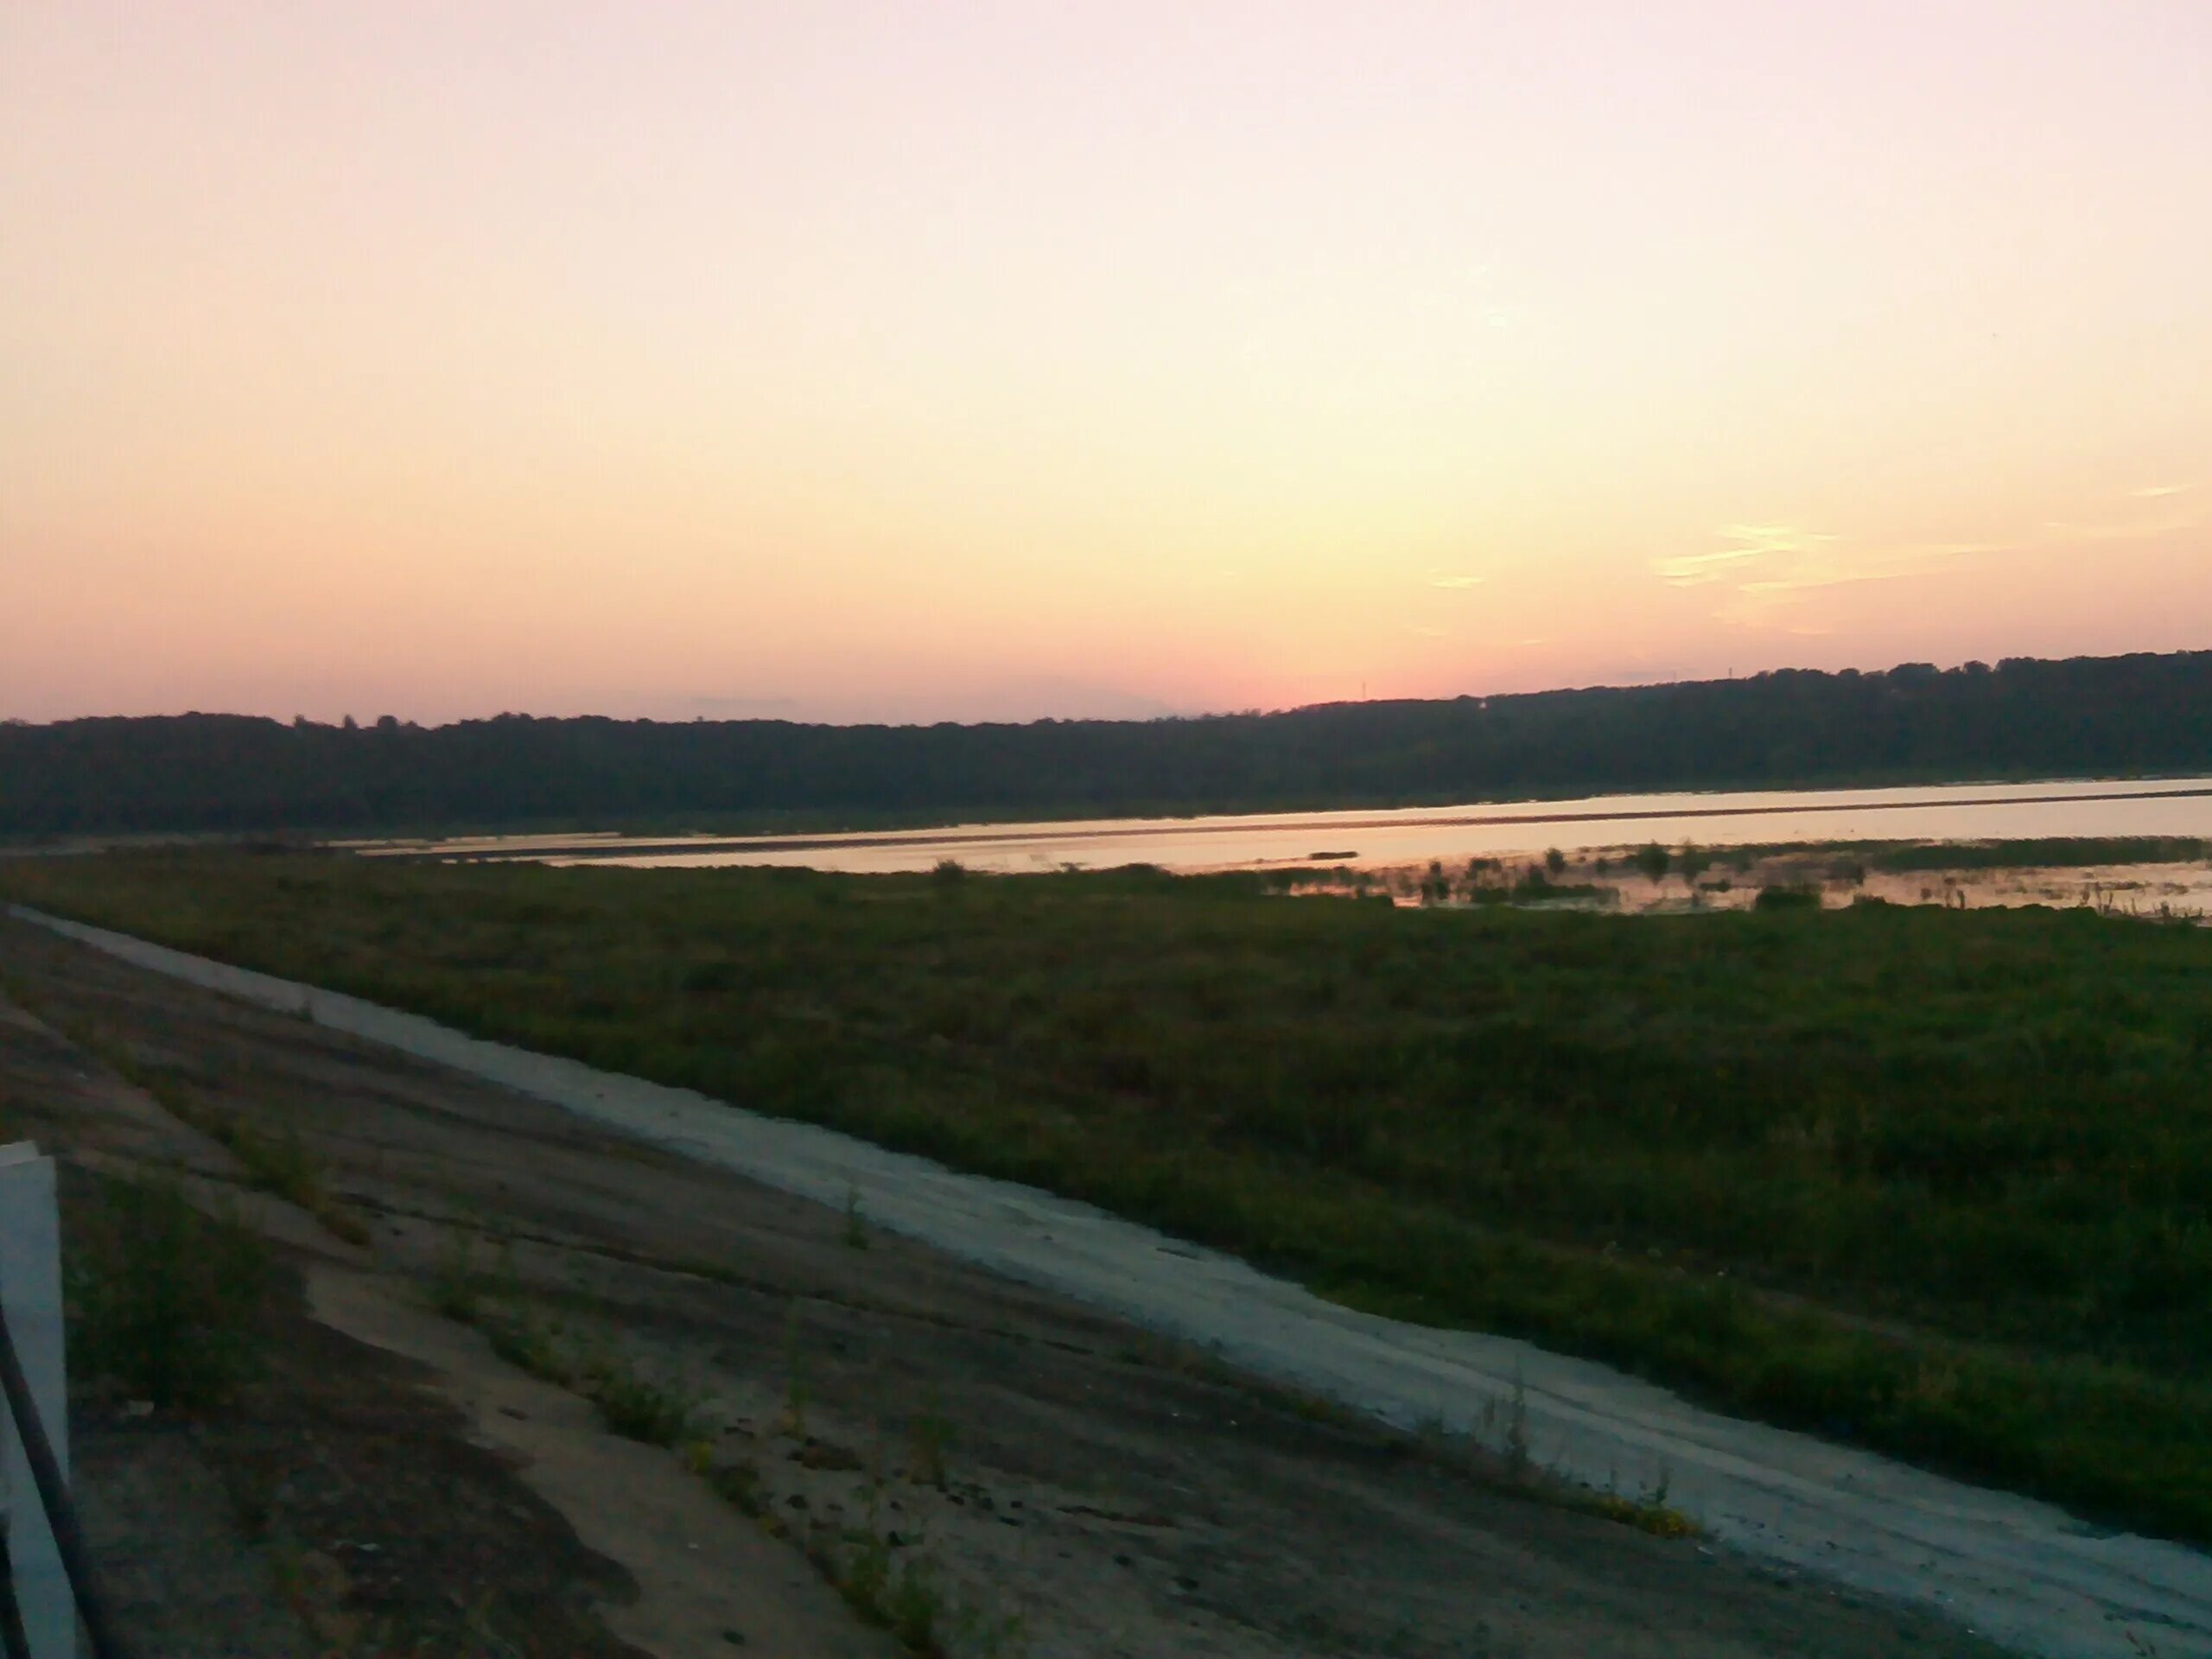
column 1103, row 1491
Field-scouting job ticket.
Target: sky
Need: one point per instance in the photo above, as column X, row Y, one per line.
column 954, row 360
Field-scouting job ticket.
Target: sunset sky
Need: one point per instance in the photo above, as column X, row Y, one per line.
column 954, row 360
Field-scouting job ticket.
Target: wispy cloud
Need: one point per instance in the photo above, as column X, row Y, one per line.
column 1692, row 569
column 1456, row 582
column 1766, row 569
column 2125, row 530
column 1750, row 542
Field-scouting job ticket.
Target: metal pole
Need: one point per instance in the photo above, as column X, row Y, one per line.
column 13, row 1641
column 60, row 1515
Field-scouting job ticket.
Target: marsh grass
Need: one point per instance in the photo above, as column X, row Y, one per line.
column 1934, row 1181
column 1854, row 858
column 2049, row 852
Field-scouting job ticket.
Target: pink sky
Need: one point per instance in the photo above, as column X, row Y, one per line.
column 958, row 360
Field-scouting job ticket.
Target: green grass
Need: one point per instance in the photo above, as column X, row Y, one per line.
column 164, row 1300
column 1939, row 1182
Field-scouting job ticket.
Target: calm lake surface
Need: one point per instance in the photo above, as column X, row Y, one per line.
column 2181, row 807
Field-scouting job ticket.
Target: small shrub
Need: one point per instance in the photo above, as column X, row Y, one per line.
column 1649, row 1512
column 794, row 1419
column 855, row 1222
column 738, row 1485
column 638, row 1409
column 163, row 1300
column 915, row 1603
column 527, row 1345
column 453, row 1279
column 1786, row 897
column 929, row 1436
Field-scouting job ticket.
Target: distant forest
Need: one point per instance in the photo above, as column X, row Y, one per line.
column 226, row 773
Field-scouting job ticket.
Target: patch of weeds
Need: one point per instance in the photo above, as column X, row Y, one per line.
column 738, row 1485
column 989, row 1635
column 526, row 1342
column 929, row 1437
column 905, row 1594
column 163, row 1299
column 1504, row 1425
column 827, row 1455
column 281, row 1165
column 914, row 1605
column 1784, row 896
column 855, row 1222
column 1319, row 1408
column 794, row 1419
column 453, row 1291
column 638, row 1409
column 864, row 1577
column 629, row 1403
column 277, row 1165
column 1649, row 1512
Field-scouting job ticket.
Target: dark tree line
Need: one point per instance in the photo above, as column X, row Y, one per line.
column 228, row 772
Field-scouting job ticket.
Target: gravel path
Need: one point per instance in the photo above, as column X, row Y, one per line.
column 2019, row 1572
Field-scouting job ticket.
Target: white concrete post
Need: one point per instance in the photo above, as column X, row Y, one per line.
column 30, row 1294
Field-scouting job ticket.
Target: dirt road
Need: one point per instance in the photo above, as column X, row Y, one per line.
column 1060, row 1481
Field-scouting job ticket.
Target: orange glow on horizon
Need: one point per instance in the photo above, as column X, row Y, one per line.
column 969, row 361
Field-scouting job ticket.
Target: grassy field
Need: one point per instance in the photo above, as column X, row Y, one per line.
column 1940, row 1182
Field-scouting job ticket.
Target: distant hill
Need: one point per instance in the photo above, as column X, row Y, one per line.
column 229, row 772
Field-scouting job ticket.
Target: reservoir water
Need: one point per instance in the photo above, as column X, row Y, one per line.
column 1453, row 834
